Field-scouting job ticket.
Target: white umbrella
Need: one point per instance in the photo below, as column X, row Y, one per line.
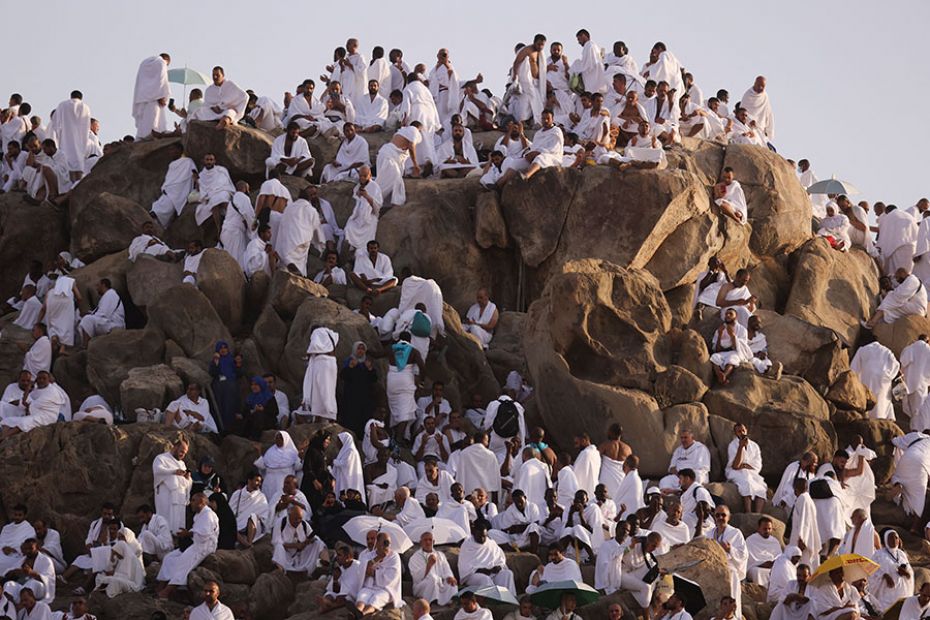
column 832, row 186
column 358, row 527
column 445, row 531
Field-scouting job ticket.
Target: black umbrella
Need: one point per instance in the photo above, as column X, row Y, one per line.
column 691, row 592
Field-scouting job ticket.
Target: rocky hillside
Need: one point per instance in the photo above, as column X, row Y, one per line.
column 594, row 270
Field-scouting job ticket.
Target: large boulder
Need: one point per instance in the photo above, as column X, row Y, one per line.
column 902, row 332
column 148, row 278
column 589, row 339
column 490, row 227
column 289, row 290
column 28, row 232
column 662, row 221
column 241, row 150
column 108, row 225
column 149, row 387
column 433, row 236
column 184, row 315
column 221, row 280
column 111, row 357
column 779, row 208
column 505, row 353
column 804, row 349
column 786, row 417
column 114, row 267
column 833, row 289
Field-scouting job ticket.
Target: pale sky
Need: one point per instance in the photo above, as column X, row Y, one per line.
column 835, row 68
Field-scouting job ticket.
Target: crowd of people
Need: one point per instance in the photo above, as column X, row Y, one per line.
column 416, row 471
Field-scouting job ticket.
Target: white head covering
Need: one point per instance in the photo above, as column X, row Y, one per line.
column 285, row 456
column 322, row 340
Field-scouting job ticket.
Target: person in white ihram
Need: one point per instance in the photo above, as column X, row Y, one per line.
column 204, row 533
column 481, row 318
column 211, row 608
column 744, row 469
column 150, row 96
column 172, row 485
column 223, row 101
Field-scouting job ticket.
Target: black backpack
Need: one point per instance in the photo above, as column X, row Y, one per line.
column 507, row 421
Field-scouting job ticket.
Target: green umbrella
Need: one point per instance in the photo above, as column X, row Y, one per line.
column 187, row 77
column 496, row 594
column 549, row 595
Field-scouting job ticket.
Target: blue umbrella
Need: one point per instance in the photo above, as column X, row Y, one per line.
column 187, row 77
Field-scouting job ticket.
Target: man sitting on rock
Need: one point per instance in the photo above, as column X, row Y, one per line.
column 296, row 548
column 909, row 298
column 381, row 583
column 545, row 152
column 177, row 186
column 344, row 582
column 223, row 101
column 190, row 411
column 744, row 467
column 432, row 577
column 107, row 316
column 689, row 454
column 731, row 347
column 331, row 273
column 149, row 245
column 290, row 154
column 373, row 272
column 216, row 190
column 762, row 548
column 482, row 318
column 736, row 295
column 482, row 562
column 353, row 153
column 204, row 533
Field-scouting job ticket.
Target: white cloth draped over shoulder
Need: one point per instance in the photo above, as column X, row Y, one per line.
column 171, row 490
column 362, row 225
column 276, row 464
column 749, row 481
column 178, row 564
column 228, row 97
column 347, row 467
column 736, row 199
column 759, row 109
column 71, row 125
column 319, row 388
column 877, row 367
column 300, row 229
column 151, row 86
column 912, row 470
column 908, row 298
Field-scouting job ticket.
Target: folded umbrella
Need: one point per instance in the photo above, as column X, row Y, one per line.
column 445, row 531
column 549, row 595
column 691, row 593
column 358, row 527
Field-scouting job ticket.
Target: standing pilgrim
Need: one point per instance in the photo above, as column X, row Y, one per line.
column 756, row 103
column 150, row 96
column 319, row 394
column 172, row 484
column 300, row 229
column 71, row 126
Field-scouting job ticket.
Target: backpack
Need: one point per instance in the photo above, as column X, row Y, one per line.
column 820, row 489
column 421, row 325
column 507, row 421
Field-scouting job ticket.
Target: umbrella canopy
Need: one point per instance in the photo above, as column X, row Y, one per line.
column 492, row 593
column 445, row 531
column 188, row 77
column 549, row 595
column 691, row 593
column 358, row 527
column 854, row 567
column 832, row 186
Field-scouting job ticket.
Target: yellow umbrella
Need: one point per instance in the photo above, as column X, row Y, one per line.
column 855, row 567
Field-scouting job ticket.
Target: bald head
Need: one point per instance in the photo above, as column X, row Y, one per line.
column 759, row 85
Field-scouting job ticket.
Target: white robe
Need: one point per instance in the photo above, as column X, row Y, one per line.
column 737, row 557
column 178, row 564
column 183, row 404
column 219, row 612
column 478, row 315
column 860, row 490
column 292, row 560
column 921, row 267
column 299, row 230
column 418, row 105
column 912, row 608
column 171, row 491
column 155, row 537
column 228, row 96
column 59, row 311
column 237, row 227
column 216, row 187
column 143, row 245
column 350, row 153
column 759, row 109
column 761, row 550
column 71, row 124
column 748, row 481
column 784, row 494
column 478, row 468
column 690, row 499
column 587, row 468
column 350, row 581
column 912, row 470
column 591, row 68
column 347, row 467
column 804, row 528
column 29, row 313
column 151, row 85
column 826, row 597
column 431, row 585
column 299, row 149
column 391, row 162
column 862, row 543
column 319, row 388
column 276, row 464
column 567, row 486
column 608, row 569
column 736, row 199
column 473, row 556
column 39, row 356
column 371, row 112
column 696, row 458
column 43, row 407
column 13, row 535
column 877, row 367
column 128, row 570
column 672, row 535
column 386, row 584
column 908, row 298
column 250, row 506
column 362, row 225
column 611, row 475
column 533, row 478
column 380, row 271
column 897, row 240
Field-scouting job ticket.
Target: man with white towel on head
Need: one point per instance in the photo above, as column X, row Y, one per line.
column 150, row 96
column 877, row 368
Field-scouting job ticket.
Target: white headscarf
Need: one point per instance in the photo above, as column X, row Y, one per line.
column 322, row 340
column 285, row 456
